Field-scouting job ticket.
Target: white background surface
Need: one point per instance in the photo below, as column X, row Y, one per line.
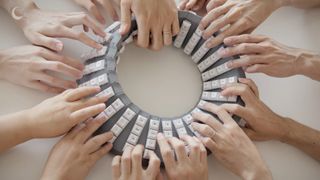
column 296, row 97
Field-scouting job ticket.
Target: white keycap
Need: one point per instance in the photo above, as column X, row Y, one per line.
column 94, row 82
column 132, row 139
column 223, row 82
column 109, row 92
column 146, row 154
column 214, row 95
column 202, row 103
column 118, row 104
column 232, row 80
column 168, row 134
column 113, row 139
column 102, row 115
column 141, row 121
column 152, row 134
column 182, row 34
column 232, row 99
column 213, row 58
column 188, row 119
column 137, row 130
column 109, row 111
column 116, row 130
column 196, row 110
column 182, row 132
column 151, row 144
column 207, row 86
column 205, row 95
column 178, row 123
column 199, row 31
column 213, row 73
column 205, row 76
column 193, row 41
column 166, row 125
column 127, row 145
column 222, row 98
column 122, row 122
column 102, row 79
column 242, row 123
column 197, row 56
column 129, row 114
column 154, row 124
column 215, row 84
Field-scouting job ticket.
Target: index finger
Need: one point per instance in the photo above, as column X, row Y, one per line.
column 220, row 112
column 166, row 152
column 81, row 92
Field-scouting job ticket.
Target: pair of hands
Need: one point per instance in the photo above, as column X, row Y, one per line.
column 187, row 165
column 233, row 17
column 157, row 20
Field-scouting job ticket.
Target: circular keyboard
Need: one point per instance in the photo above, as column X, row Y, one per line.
column 131, row 125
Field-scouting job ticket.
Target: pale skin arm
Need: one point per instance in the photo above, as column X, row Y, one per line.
column 51, row 118
column 43, row 28
column 260, row 54
column 264, row 124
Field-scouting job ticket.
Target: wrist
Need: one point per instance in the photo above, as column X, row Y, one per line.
column 29, row 124
column 307, row 64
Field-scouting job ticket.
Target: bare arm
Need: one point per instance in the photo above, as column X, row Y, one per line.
column 263, row 124
column 13, row 130
column 302, row 137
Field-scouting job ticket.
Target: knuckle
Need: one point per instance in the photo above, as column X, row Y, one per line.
column 136, row 155
column 206, row 128
column 167, row 153
column 125, row 159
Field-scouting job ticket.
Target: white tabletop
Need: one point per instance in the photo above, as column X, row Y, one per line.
column 296, row 97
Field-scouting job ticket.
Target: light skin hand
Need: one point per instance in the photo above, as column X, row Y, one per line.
column 77, row 152
column 129, row 165
column 187, row 165
column 43, row 27
column 263, row 124
column 29, row 66
column 192, row 5
column 51, row 118
column 158, row 18
column 229, row 144
column 264, row 55
column 234, row 17
column 92, row 6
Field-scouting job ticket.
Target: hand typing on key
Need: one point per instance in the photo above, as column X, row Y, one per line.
column 32, row 66
column 260, row 54
column 157, row 21
column 51, row 118
column 129, row 165
column 77, row 152
column 187, row 165
column 229, row 144
column 44, row 27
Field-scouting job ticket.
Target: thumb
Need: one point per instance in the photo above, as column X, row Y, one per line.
column 125, row 16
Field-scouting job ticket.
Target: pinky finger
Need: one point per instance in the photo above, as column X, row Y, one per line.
column 51, row 43
column 251, row 84
column 256, row 68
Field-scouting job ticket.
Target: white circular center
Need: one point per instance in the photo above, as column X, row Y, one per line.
column 165, row 83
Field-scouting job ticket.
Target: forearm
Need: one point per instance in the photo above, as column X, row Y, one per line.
column 301, row 3
column 14, row 130
column 302, row 137
column 308, row 64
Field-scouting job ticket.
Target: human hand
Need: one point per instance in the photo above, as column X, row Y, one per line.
column 92, row 7
column 229, row 144
column 56, row 116
column 43, row 28
column 32, row 66
column 264, row 55
column 262, row 122
column 77, row 152
column 192, row 5
column 234, row 17
column 158, row 18
column 129, row 165
column 188, row 165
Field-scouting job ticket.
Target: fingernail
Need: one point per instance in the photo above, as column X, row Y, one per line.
column 58, row 45
column 102, row 106
column 229, row 64
column 208, row 45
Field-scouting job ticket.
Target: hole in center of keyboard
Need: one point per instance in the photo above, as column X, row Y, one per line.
column 165, row 83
